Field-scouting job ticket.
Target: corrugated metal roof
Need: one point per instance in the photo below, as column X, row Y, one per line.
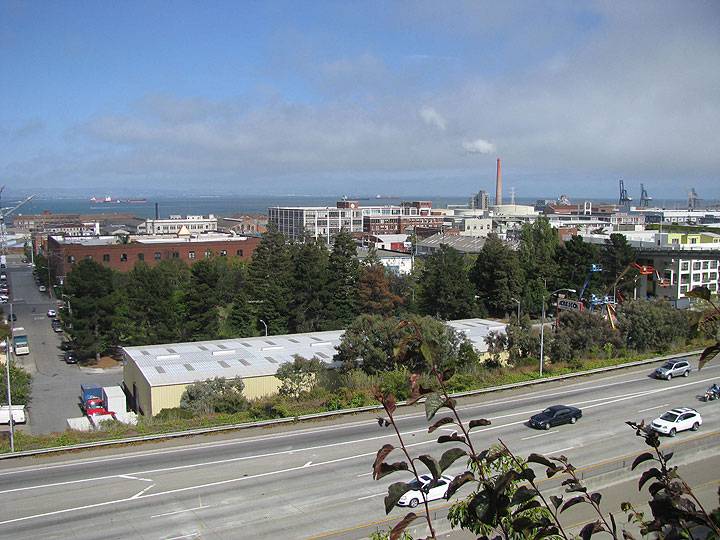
column 251, row 357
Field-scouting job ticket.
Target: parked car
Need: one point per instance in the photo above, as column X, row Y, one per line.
column 12, row 317
column 554, row 416
column 673, row 368
column 42, row 288
column 56, row 325
column 70, row 357
column 413, row 497
column 51, row 313
column 680, row 419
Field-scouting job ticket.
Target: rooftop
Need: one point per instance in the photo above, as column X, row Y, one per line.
column 185, row 363
column 465, row 244
column 148, row 239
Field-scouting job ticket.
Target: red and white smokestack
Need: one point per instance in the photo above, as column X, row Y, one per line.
column 498, row 184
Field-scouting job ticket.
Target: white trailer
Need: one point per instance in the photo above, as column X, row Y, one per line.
column 18, row 414
column 114, row 399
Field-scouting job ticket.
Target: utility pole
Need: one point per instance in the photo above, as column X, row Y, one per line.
column 8, row 352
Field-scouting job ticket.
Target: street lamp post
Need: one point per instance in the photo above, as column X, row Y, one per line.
column 518, row 304
column 62, row 295
column 8, row 349
column 542, row 326
column 265, row 325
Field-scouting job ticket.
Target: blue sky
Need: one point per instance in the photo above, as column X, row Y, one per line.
column 402, row 98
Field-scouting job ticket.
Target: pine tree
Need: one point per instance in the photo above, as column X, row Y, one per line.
column 270, row 281
column 497, row 277
column 538, row 243
column 445, row 289
column 310, row 274
column 341, row 290
column 575, row 258
column 201, row 301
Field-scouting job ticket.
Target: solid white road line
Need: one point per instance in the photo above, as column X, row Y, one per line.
column 364, row 474
column 370, row 496
column 142, row 492
column 191, row 535
column 536, row 436
column 558, row 451
column 181, row 511
column 652, row 408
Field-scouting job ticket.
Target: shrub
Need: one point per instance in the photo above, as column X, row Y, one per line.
column 218, row 395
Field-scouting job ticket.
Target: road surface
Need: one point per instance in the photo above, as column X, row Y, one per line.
column 304, row 482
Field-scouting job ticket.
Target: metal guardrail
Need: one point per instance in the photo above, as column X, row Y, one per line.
column 329, row 414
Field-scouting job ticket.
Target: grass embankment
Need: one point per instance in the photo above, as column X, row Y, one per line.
column 341, row 391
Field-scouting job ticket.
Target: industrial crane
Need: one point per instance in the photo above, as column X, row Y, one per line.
column 3, row 214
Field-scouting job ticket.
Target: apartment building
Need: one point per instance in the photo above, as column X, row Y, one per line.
column 174, row 223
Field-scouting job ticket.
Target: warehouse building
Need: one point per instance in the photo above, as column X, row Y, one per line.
column 155, row 376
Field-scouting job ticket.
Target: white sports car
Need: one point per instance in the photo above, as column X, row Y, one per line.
column 414, row 497
column 675, row 420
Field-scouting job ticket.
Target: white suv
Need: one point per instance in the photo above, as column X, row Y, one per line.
column 675, row 420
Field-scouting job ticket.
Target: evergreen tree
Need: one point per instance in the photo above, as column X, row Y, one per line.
column 374, row 294
column 309, row 276
column 538, row 243
column 497, row 277
column 575, row 258
column 617, row 254
column 445, row 289
column 90, row 287
column 201, row 301
column 270, row 281
column 341, row 290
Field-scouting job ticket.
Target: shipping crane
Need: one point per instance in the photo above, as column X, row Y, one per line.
column 3, row 214
column 645, row 199
column 625, row 199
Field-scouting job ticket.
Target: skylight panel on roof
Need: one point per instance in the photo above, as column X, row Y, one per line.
column 246, row 344
column 202, row 347
column 189, row 367
column 322, row 355
column 293, row 340
column 271, row 359
column 173, row 351
column 224, row 364
column 270, row 342
column 244, row 362
column 221, row 346
column 159, row 369
column 315, row 338
column 145, row 353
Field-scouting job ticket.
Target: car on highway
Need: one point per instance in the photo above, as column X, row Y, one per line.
column 56, row 325
column 673, row 368
column 674, row 420
column 42, row 288
column 69, row 357
column 554, row 416
column 51, row 313
column 414, row 496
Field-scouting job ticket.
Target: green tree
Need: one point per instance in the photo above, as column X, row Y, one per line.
column 93, row 298
column 270, row 281
column 617, row 254
column 445, row 289
column 575, row 259
column 309, row 276
column 341, row 300
column 538, row 244
column 653, row 325
column 20, row 385
column 497, row 276
column 202, row 300
column 218, row 395
column 522, row 341
column 579, row 333
column 299, row 376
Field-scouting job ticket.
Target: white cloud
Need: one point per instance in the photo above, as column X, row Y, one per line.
column 433, row 118
column 478, row 146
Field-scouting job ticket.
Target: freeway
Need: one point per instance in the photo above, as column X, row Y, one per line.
column 303, row 482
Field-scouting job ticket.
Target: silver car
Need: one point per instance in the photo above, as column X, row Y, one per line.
column 673, row 368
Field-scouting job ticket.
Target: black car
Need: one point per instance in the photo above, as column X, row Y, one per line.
column 554, row 416
column 56, row 325
column 70, row 358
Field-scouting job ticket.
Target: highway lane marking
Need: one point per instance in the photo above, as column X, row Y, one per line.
column 536, row 436
column 130, row 477
column 558, row 451
column 181, row 511
column 78, row 481
column 191, row 535
column 370, row 496
column 651, row 408
column 603, row 401
column 142, row 491
column 364, row 474
column 199, row 446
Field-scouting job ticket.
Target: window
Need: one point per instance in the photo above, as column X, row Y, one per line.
column 191, row 255
column 683, row 289
column 141, row 256
column 696, row 277
column 239, row 252
column 71, row 259
column 706, row 265
column 223, row 252
column 106, row 257
column 123, row 257
column 685, row 265
column 713, row 264
column 684, row 278
column 713, row 276
column 88, row 257
column 158, row 256
column 175, row 254
column 208, row 253
column 696, row 265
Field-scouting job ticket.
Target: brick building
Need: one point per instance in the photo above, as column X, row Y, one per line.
column 114, row 252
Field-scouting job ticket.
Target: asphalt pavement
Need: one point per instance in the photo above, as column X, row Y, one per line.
column 55, row 384
column 315, row 481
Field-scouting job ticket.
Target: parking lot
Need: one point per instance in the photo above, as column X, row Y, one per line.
column 55, row 385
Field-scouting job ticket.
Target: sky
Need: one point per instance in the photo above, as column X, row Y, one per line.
column 360, row 97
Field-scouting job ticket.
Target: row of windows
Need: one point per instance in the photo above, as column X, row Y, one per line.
column 684, row 288
column 157, row 256
column 699, row 265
